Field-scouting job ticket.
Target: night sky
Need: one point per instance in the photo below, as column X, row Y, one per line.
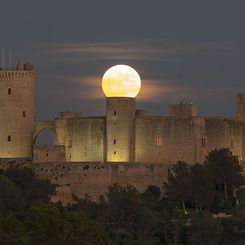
column 188, row 51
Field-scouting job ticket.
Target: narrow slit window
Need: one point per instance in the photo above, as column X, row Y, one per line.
column 9, row 138
column 9, row 91
column 115, row 152
column 179, row 154
column 115, row 113
column 23, row 113
column 114, row 142
column 203, row 142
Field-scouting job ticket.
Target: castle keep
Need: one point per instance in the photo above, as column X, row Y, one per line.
column 127, row 145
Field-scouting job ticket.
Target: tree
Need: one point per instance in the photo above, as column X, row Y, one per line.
column 151, row 197
column 85, row 231
column 34, row 191
column 202, row 187
column 12, row 231
column 225, row 170
column 126, row 215
column 51, row 226
column 10, row 196
column 45, row 226
column 203, row 229
column 179, row 183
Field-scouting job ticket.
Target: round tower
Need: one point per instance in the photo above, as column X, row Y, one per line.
column 120, row 84
column 17, row 111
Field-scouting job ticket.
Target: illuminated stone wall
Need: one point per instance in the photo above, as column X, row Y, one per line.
column 158, row 139
column 83, row 138
column 167, row 140
column 120, row 139
column 94, row 178
column 49, row 153
column 222, row 132
column 17, row 112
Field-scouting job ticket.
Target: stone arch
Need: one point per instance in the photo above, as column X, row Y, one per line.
column 42, row 125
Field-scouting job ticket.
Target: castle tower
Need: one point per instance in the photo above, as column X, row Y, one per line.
column 240, row 107
column 120, row 84
column 120, row 129
column 17, row 111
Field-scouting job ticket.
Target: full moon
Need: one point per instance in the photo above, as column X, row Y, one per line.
column 121, row 81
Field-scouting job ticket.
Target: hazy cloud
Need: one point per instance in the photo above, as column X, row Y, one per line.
column 137, row 50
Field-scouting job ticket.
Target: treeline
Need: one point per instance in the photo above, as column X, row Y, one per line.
column 209, row 186
column 182, row 214
column 27, row 217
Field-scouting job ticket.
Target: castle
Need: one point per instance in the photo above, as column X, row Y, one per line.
column 124, row 135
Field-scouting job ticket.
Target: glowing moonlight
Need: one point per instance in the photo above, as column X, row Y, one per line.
column 121, row 81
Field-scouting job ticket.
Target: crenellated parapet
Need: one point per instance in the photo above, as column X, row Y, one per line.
column 11, row 75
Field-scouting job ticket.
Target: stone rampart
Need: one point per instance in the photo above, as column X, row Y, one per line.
column 94, row 178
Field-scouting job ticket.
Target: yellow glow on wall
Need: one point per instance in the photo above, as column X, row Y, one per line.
column 121, row 81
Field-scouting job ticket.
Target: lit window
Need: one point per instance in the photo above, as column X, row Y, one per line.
column 24, row 113
column 158, row 141
column 9, row 90
column 9, row 138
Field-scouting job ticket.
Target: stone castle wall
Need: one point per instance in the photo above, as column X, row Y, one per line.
column 229, row 133
column 94, row 178
column 158, row 139
column 85, row 139
column 49, row 153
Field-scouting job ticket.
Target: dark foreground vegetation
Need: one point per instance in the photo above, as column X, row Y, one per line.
column 184, row 214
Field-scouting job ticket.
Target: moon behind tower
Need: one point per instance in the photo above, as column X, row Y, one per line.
column 121, row 81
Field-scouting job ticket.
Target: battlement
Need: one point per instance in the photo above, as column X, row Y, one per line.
column 182, row 110
column 8, row 75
